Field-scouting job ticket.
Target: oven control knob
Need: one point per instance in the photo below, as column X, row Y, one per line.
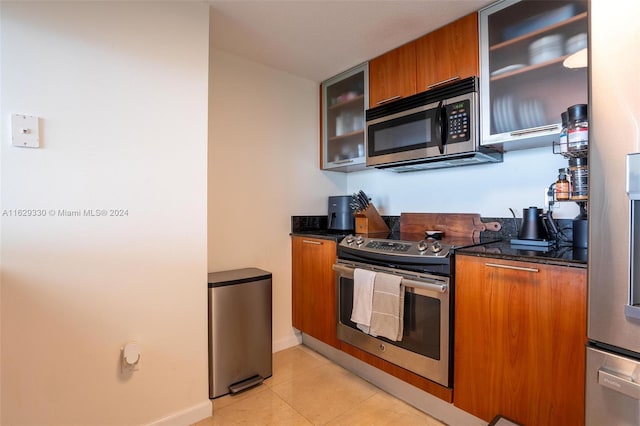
column 423, row 246
column 359, row 240
column 349, row 239
column 436, row 247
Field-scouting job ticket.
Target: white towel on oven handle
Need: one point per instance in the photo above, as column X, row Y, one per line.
column 362, row 298
column 387, row 307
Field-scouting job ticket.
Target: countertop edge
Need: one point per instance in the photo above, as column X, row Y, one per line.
column 319, row 235
column 473, row 251
column 483, row 250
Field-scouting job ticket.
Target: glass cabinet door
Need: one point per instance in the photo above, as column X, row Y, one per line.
column 344, row 99
column 524, row 85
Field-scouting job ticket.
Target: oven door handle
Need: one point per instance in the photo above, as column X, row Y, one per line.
column 439, row 288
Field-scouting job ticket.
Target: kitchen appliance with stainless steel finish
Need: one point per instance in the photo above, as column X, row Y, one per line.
column 434, row 129
column 613, row 351
column 426, row 271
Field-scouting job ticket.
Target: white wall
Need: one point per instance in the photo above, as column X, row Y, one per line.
column 121, row 89
column 263, row 168
column 520, row 181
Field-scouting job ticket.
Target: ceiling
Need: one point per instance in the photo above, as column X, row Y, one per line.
column 317, row 39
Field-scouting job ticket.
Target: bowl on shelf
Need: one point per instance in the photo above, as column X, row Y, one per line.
column 546, row 48
column 539, row 21
column 576, row 43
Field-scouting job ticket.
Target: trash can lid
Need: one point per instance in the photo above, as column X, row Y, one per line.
column 237, row 276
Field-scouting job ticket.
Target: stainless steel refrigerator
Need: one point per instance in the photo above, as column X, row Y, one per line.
column 613, row 351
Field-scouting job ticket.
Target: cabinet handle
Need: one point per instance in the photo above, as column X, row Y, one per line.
column 440, row 83
column 517, row 268
column 535, row 130
column 342, row 161
column 619, row 384
column 393, row 98
column 317, row 243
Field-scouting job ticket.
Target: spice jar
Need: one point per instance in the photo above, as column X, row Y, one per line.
column 579, row 179
column 562, row 186
column 578, row 128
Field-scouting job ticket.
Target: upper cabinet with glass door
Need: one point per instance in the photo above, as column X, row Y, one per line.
column 344, row 100
column 524, row 84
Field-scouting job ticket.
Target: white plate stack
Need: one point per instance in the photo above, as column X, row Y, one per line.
column 546, row 49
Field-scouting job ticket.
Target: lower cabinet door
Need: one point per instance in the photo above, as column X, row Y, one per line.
column 313, row 288
column 519, row 343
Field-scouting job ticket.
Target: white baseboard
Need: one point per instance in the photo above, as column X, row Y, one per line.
column 186, row 417
column 287, row 342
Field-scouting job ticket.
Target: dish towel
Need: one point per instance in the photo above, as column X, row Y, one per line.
column 388, row 307
column 362, row 298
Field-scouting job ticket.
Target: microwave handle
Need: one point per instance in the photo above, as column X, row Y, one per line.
column 442, row 127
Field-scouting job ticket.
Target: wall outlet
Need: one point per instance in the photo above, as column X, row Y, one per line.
column 129, row 357
column 25, row 131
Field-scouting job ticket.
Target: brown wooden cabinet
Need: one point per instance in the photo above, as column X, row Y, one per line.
column 520, row 334
column 449, row 53
column 313, row 288
column 393, row 75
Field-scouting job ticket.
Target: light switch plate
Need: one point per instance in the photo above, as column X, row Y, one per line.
column 25, row 131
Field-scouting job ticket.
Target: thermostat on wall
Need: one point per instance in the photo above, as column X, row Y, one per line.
column 25, row 131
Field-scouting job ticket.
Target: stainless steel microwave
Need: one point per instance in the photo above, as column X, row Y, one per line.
column 434, row 129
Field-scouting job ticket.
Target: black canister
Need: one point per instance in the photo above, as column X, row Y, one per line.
column 581, row 228
column 580, row 233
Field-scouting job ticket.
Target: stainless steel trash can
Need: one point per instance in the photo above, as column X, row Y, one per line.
column 240, row 352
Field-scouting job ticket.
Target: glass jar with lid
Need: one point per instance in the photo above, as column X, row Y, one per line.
column 579, row 171
column 578, row 128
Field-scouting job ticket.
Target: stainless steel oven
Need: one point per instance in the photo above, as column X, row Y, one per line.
column 425, row 268
column 425, row 347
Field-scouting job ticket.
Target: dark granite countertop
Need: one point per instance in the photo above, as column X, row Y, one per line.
column 562, row 256
column 336, row 236
column 316, row 227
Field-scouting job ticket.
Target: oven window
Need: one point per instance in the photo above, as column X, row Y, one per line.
column 421, row 332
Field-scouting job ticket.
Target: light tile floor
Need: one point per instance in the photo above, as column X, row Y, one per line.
column 308, row 389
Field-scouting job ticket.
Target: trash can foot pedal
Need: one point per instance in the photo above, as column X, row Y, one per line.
column 246, row 384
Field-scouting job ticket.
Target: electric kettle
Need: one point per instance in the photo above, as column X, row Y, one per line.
column 533, row 227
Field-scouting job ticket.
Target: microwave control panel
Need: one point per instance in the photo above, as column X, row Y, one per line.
column 458, row 119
